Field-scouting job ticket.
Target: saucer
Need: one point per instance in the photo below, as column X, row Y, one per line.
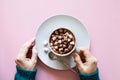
column 51, row 24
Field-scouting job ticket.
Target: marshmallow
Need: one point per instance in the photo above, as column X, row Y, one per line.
column 56, row 47
column 55, row 43
column 45, row 43
column 65, row 30
column 69, row 40
column 60, row 45
column 64, row 46
column 59, row 41
column 70, row 36
column 60, row 30
column 70, row 47
column 66, row 50
column 66, row 33
column 59, row 37
column 51, row 44
column 46, row 50
column 72, row 43
column 60, row 49
column 56, row 32
column 53, row 38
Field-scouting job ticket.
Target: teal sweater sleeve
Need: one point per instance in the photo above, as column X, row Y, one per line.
column 23, row 74
column 93, row 76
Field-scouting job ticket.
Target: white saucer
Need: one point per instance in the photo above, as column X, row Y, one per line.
column 55, row 22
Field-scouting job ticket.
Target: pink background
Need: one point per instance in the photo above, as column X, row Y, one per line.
column 20, row 19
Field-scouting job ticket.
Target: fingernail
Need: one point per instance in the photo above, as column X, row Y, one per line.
column 33, row 43
column 78, row 50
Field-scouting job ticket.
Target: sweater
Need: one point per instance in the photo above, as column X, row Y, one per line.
column 23, row 74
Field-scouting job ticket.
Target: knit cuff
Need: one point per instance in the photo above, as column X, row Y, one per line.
column 27, row 74
column 92, row 76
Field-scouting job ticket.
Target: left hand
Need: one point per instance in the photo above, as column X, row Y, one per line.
column 23, row 61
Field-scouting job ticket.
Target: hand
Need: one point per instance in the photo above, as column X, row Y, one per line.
column 85, row 62
column 25, row 62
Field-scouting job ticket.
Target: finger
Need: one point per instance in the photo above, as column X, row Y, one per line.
column 85, row 52
column 18, row 62
column 77, row 59
column 25, row 48
column 34, row 54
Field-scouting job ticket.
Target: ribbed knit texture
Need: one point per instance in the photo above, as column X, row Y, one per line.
column 22, row 74
column 92, row 76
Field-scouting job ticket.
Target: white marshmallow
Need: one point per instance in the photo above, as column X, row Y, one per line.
column 69, row 40
column 51, row 44
column 56, row 47
column 60, row 37
column 59, row 41
column 46, row 50
column 45, row 43
column 56, row 43
column 72, row 43
column 53, row 38
column 60, row 49
column 70, row 36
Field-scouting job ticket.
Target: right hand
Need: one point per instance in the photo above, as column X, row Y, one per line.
column 85, row 62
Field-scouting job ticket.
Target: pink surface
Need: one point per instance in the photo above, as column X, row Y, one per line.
column 20, row 19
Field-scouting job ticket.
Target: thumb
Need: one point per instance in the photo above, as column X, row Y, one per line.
column 77, row 59
column 34, row 54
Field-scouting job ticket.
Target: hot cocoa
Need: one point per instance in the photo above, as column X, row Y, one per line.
column 62, row 41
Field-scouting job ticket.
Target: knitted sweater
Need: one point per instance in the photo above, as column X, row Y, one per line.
column 22, row 74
